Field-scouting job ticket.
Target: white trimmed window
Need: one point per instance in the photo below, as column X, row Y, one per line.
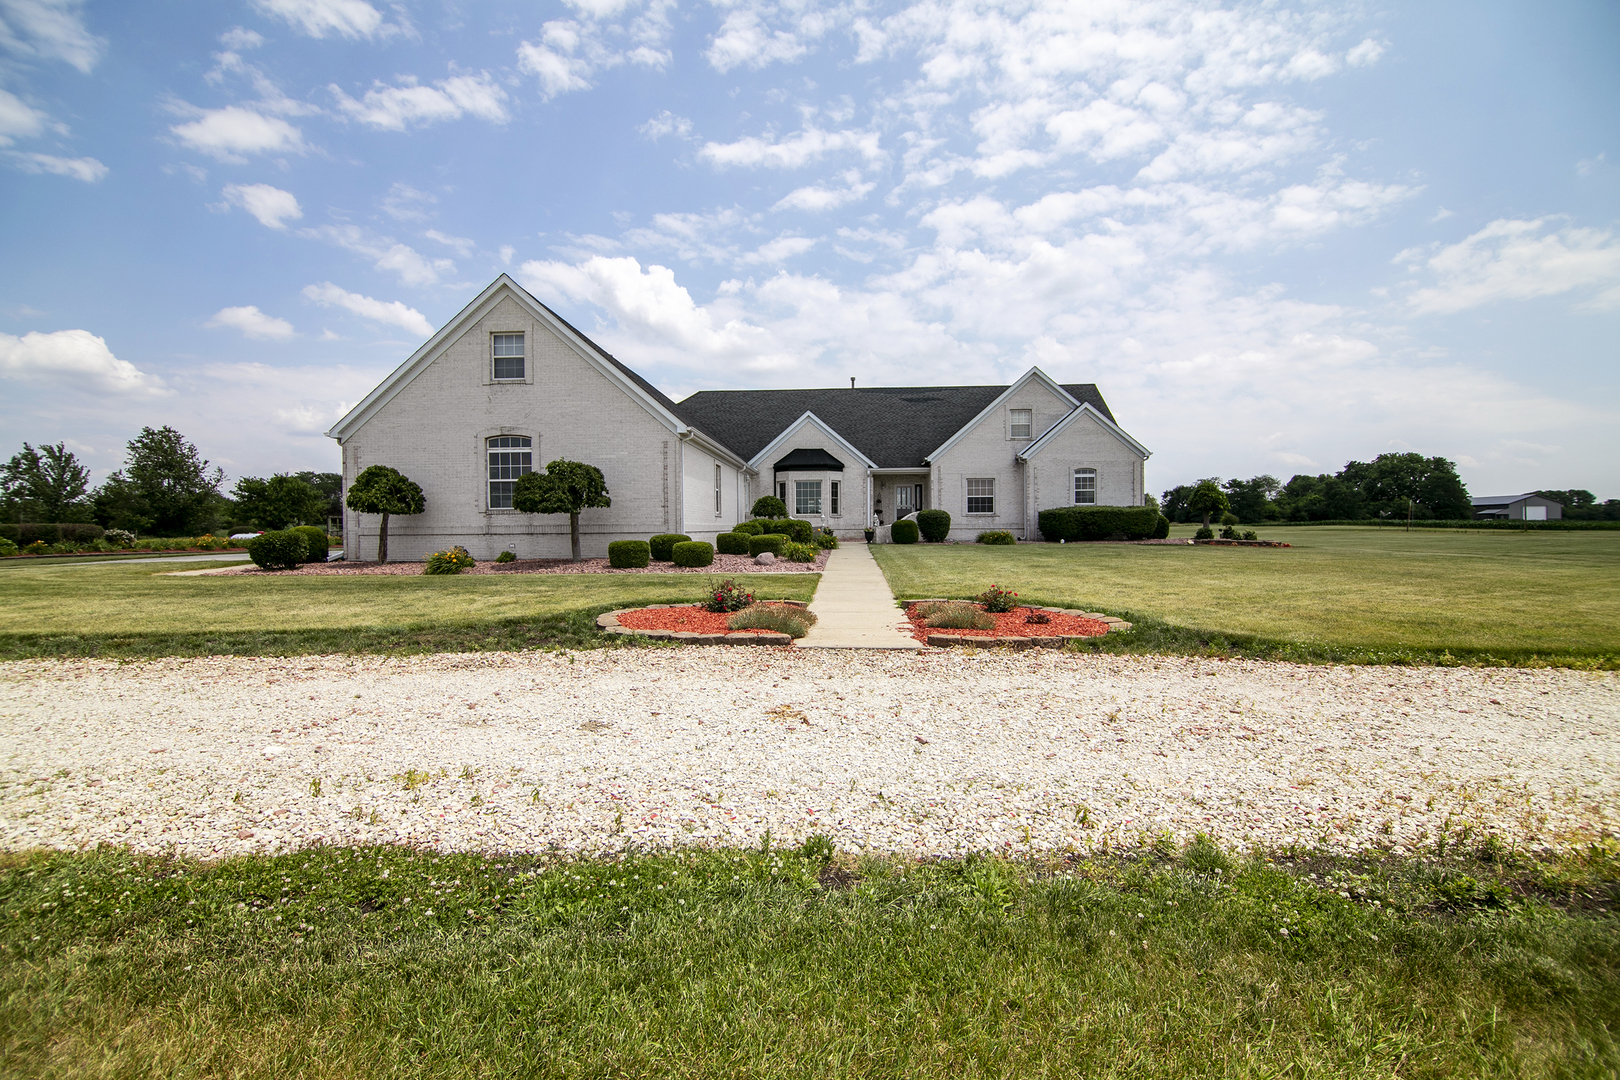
column 506, row 352
column 781, row 491
column 1085, row 487
column 981, row 496
column 717, row 491
column 1020, row 424
column 806, row 497
column 833, row 498
column 510, row 456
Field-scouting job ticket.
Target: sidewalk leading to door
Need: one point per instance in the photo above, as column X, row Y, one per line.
column 854, row 606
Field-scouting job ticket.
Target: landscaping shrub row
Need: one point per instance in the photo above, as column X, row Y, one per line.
column 1401, row 523
column 28, row 532
column 1102, row 523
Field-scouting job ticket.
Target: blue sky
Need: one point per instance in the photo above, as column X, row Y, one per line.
column 1278, row 236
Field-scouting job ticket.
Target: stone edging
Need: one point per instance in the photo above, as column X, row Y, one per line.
column 608, row 623
column 1033, row 641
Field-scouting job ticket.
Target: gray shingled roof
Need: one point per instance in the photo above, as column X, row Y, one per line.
column 895, row 426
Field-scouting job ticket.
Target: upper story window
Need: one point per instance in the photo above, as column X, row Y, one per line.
column 1022, row 421
column 507, row 353
column 806, row 497
column 1085, row 487
column 510, row 456
column 981, row 496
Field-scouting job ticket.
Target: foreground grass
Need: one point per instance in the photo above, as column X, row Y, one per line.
column 1339, row 594
column 387, row 962
column 139, row 611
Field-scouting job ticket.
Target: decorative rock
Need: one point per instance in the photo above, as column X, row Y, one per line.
column 764, row 558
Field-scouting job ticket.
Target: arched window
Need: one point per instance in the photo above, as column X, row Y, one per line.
column 1085, row 487
column 510, row 456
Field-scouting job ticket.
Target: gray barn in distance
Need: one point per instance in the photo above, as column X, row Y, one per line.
column 1526, row 507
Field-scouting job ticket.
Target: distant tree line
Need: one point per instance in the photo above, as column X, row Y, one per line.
column 165, row 488
column 1581, row 505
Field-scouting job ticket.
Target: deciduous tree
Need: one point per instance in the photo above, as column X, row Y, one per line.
column 279, row 501
column 45, row 483
column 382, row 490
column 566, row 487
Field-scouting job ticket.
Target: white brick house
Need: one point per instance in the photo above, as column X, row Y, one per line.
column 508, row 385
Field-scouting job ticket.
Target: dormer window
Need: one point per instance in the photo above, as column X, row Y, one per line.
column 507, row 353
column 1020, row 424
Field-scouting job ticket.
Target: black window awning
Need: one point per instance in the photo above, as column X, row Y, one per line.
column 817, row 460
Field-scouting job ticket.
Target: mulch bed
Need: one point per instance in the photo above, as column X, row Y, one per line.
column 692, row 620
column 723, row 566
column 1013, row 628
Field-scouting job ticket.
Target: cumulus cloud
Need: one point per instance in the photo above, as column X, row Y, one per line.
column 389, row 313
column 271, row 205
column 793, row 152
column 49, row 30
column 76, row 360
column 253, row 323
column 816, row 197
column 231, row 132
column 18, row 119
column 318, row 18
column 1520, row 260
column 87, row 169
column 412, row 266
column 570, row 52
column 666, row 123
column 396, row 108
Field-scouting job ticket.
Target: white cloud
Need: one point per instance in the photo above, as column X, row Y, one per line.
column 271, row 205
column 1366, row 54
column 553, row 62
column 1520, row 260
column 793, row 152
column 412, row 266
column 229, row 133
column 389, row 313
column 49, row 30
column 816, row 198
column 253, row 323
column 74, row 359
column 405, row 203
column 666, row 123
column 18, row 119
column 241, row 39
column 779, row 250
column 317, row 18
column 460, row 244
column 572, row 51
column 396, row 108
column 87, row 169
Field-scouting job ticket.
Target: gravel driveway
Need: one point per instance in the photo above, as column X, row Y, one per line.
column 930, row 753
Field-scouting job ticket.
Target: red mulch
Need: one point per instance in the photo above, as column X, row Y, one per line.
column 1012, row 624
column 692, row 620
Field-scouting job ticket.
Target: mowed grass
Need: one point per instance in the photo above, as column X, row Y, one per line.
column 118, row 610
column 1336, row 594
column 389, row 962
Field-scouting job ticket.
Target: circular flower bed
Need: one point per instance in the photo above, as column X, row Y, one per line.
column 694, row 625
column 1020, row 627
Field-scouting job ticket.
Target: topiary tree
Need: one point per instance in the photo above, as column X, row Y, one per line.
column 566, row 487
column 382, row 490
column 1208, row 498
column 935, row 525
column 769, row 506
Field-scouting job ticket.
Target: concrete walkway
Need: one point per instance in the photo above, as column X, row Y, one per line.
column 854, row 606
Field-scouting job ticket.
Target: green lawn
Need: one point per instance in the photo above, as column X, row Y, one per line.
column 393, row 963
column 1338, row 593
column 132, row 610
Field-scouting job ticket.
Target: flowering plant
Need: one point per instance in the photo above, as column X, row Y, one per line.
column 997, row 599
column 453, row 561
column 728, row 596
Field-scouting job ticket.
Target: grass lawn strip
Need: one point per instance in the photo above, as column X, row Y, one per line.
column 809, row 962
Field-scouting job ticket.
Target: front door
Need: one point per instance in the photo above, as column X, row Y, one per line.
column 902, row 501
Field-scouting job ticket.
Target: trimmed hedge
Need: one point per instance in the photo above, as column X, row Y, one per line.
column 771, row 542
column 692, row 553
column 662, row 544
column 315, row 537
column 748, row 528
column 1162, row 529
column 795, row 529
column 629, row 554
column 904, row 531
column 732, row 543
column 1098, row 522
column 769, row 506
column 74, row 532
column 934, row 524
column 1561, row 525
column 279, row 550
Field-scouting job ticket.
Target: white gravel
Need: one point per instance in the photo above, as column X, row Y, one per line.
column 931, row 753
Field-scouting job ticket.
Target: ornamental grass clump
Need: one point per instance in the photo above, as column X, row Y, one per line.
column 997, row 536
column 727, row 596
column 453, row 561
column 998, row 600
column 792, row 621
column 955, row 615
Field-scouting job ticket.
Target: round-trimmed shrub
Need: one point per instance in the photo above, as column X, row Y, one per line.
column 732, row 543
column 692, row 553
column 769, row 506
column 748, row 528
column 793, row 551
column 997, row 536
column 661, row 544
column 315, row 537
column 935, row 525
column 1204, row 533
column 629, row 554
column 904, row 531
column 771, row 542
column 796, row 529
column 1162, row 529
column 279, row 550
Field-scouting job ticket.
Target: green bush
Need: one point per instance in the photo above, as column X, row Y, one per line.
column 795, row 529
column 1229, row 519
column 661, row 544
column 998, row 537
column 793, row 621
column 935, row 525
column 119, row 538
column 1098, row 522
column 728, row 596
column 453, row 561
column 732, row 543
column 629, row 554
column 904, row 531
column 1204, row 533
column 1162, row 528
column 793, row 551
column 955, row 615
column 76, row 532
column 827, row 539
column 1228, row 533
column 1250, row 534
column 769, row 506
column 314, row 535
column 998, row 600
column 282, row 549
column 692, row 553
column 506, row 556
column 771, row 542
column 7, row 548
column 748, row 528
